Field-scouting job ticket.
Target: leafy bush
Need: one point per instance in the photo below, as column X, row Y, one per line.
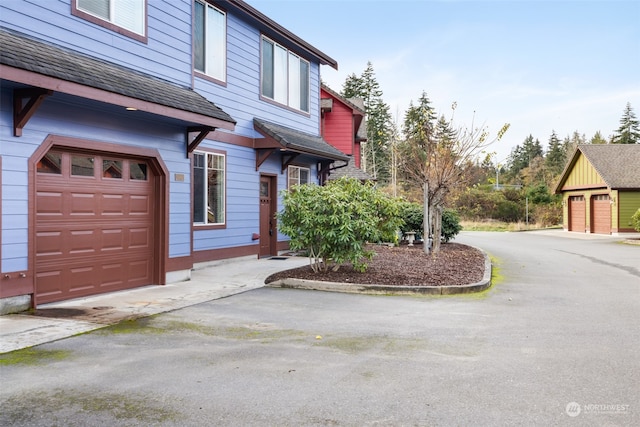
column 412, row 215
column 539, row 195
column 333, row 223
column 547, row 215
column 450, row 224
column 636, row 220
column 509, row 211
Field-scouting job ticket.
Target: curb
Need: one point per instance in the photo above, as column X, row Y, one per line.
column 355, row 288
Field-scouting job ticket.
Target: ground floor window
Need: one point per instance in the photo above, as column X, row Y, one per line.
column 209, row 188
column 298, row 175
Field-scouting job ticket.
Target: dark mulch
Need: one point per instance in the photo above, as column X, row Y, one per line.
column 456, row 264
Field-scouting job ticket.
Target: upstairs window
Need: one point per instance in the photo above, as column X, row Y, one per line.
column 285, row 76
column 128, row 15
column 298, row 175
column 210, row 41
column 209, row 188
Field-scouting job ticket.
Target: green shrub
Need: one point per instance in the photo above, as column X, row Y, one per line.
column 450, row 224
column 333, row 223
column 509, row 211
column 547, row 215
column 539, row 195
column 636, row 220
column 412, row 216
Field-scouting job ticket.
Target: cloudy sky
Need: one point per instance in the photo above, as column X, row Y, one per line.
column 539, row 65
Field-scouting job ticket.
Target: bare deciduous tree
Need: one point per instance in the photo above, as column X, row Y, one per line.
column 435, row 158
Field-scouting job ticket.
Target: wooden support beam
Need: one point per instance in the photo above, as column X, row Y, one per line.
column 287, row 161
column 263, row 154
column 23, row 112
column 203, row 131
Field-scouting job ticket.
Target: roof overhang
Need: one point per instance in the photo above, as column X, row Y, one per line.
column 45, row 66
column 290, row 140
column 58, row 85
column 280, row 31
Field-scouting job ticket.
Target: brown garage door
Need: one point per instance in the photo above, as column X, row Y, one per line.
column 94, row 225
column 601, row 214
column 577, row 215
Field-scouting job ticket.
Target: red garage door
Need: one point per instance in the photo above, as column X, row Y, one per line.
column 601, row 214
column 94, row 225
column 577, row 217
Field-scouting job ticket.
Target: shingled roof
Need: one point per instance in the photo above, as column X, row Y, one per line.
column 299, row 142
column 350, row 170
column 25, row 53
column 617, row 164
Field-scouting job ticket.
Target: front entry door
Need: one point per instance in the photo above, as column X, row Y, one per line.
column 268, row 229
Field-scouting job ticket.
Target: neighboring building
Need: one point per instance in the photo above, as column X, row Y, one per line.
column 140, row 138
column 600, row 188
column 344, row 126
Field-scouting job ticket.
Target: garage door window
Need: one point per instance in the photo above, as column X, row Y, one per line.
column 138, row 171
column 82, row 165
column 112, row 169
column 51, row 163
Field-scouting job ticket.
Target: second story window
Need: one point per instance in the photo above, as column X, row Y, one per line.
column 210, row 41
column 285, row 76
column 128, row 15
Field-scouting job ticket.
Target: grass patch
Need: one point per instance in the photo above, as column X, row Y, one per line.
column 33, row 356
column 500, row 226
column 96, row 407
column 149, row 326
column 132, row 326
column 496, row 272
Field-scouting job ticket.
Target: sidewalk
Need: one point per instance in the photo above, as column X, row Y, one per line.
column 60, row 320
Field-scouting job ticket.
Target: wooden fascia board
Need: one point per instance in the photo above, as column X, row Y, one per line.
column 323, row 58
column 584, row 187
column 51, row 83
column 266, row 142
column 23, row 112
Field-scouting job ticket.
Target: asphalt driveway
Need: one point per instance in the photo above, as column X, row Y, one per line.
column 556, row 341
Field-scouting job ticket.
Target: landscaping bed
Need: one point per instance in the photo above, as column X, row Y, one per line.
column 455, row 265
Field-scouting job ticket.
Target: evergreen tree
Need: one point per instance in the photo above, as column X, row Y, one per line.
column 522, row 156
column 597, row 139
column 571, row 142
column 376, row 155
column 556, row 156
column 443, row 131
column 629, row 130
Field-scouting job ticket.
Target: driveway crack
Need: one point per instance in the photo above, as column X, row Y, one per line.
column 630, row 270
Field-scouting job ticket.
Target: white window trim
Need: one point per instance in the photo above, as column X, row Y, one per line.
column 205, row 202
column 286, row 98
column 299, row 169
column 207, row 72
column 112, row 13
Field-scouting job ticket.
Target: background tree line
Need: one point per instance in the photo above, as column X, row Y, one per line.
column 454, row 162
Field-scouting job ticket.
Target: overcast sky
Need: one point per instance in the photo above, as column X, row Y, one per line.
column 538, row 65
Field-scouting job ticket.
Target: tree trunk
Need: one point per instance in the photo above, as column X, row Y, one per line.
column 437, row 228
column 425, row 221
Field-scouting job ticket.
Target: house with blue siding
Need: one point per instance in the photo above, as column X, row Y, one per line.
column 139, row 139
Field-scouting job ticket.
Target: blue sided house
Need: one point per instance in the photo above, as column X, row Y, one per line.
column 139, row 138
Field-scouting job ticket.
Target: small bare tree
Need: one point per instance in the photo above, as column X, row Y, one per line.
column 435, row 158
